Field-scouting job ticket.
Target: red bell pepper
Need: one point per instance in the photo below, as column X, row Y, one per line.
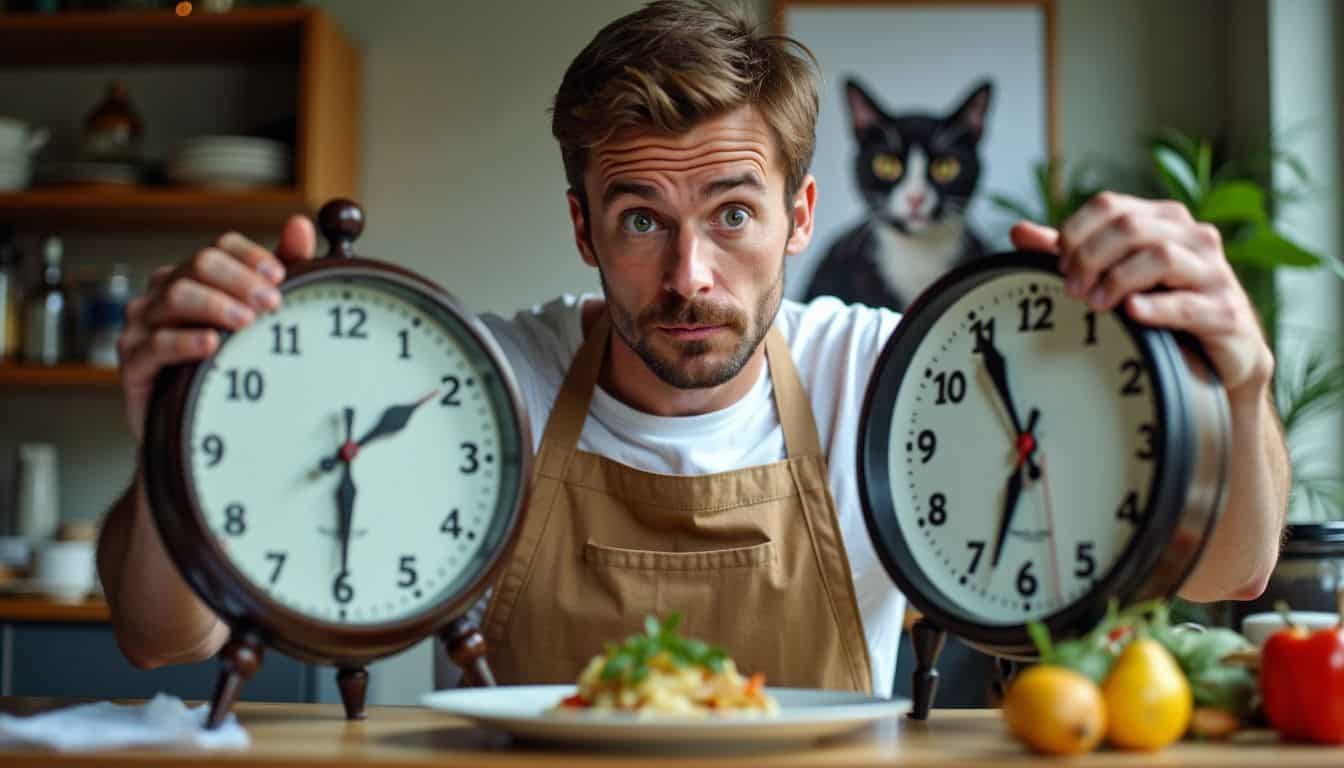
column 1302, row 683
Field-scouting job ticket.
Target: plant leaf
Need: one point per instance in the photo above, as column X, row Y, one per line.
column 1204, row 164
column 1234, row 202
column 1176, row 175
column 1017, row 209
column 1266, row 248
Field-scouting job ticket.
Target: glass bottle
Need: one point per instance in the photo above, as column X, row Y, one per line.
column 45, row 310
column 9, row 295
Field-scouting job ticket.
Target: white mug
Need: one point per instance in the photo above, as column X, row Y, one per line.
column 18, row 138
column 66, row 570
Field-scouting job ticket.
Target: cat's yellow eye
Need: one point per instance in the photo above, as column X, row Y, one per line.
column 887, row 167
column 945, row 169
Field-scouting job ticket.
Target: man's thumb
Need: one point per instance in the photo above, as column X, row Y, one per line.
column 298, row 240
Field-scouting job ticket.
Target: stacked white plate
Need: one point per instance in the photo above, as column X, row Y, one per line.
column 230, row 161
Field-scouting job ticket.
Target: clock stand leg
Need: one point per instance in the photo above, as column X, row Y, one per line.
column 466, row 647
column 928, row 643
column 1004, row 672
column 239, row 659
column 354, row 683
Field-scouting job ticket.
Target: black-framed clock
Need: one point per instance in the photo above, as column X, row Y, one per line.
column 341, row 478
column 1023, row 457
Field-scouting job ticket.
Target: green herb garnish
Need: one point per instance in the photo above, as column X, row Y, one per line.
column 629, row 661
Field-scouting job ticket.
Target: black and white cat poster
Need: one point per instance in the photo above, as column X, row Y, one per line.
column 925, row 111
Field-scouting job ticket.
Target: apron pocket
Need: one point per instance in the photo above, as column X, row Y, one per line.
column 754, row 556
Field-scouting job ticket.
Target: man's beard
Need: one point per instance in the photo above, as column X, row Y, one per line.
column 671, row 309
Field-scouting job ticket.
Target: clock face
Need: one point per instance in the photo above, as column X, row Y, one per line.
column 1017, row 516
column 354, row 454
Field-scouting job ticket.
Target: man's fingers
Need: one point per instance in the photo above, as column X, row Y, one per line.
column 298, row 240
column 159, row 276
column 187, row 302
column 1201, row 314
column 253, row 255
column 1030, row 236
column 1094, row 215
column 166, row 346
column 219, row 269
column 1110, row 244
column 1166, row 264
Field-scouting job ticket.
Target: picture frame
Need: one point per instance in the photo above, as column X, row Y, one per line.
column 927, row 56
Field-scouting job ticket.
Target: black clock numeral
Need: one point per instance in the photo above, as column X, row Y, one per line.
column 354, row 317
column 341, row 589
column 405, row 337
column 234, row 522
column 214, row 446
column 472, row 463
column 406, row 573
column 984, row 334
column 451, row 526
column 1090, row 339
column 284, row 339
column 1026, row 580
column 1135, row 371
column 1087, row 565
column 951, row 388
column 279, row 558
column 1044, row 306
column 928, row 443
column 252, row 384
column 1129, row 509
column 1146, row 451
column 937, row 509
column 978, row 548
column 453, row 384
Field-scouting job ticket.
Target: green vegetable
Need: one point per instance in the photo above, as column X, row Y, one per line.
column 629, row 661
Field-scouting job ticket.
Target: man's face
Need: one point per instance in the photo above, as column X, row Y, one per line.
column 689, row 234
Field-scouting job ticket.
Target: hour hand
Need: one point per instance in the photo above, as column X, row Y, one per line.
column 997, row 368
column 394, row 419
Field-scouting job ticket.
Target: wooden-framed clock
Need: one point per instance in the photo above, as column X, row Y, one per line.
column 1022, row 457
column 342, row 478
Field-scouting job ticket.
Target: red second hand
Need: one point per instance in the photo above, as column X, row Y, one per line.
column 1050, row 521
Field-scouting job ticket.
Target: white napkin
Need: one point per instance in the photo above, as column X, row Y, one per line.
column 161, row 721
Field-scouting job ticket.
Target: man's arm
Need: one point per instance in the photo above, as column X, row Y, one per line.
column 156, row 617
column 1244, row 547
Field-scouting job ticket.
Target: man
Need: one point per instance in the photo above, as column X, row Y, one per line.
column 699, row 430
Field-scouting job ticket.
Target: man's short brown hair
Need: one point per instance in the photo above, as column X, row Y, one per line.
column 674, row 63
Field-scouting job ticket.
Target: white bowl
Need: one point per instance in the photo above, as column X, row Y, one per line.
column 65, row 570
column 1259, row 626
column 18, row 137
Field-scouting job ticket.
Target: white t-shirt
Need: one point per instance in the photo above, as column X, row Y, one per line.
column 834, row 347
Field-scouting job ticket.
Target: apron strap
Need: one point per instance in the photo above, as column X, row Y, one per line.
column 795, row 409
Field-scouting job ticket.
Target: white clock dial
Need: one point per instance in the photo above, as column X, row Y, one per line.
column 422, row 499
column 1083, row 393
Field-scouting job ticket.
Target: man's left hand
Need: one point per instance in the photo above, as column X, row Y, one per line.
column 1119, row 248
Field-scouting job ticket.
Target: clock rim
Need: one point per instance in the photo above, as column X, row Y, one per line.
column 1136, row 573
column 227, row 591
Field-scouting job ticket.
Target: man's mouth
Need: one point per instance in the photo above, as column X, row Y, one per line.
column 690, row 332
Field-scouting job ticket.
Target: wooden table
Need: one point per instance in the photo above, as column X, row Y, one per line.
column 318, row 736
column 36, row 608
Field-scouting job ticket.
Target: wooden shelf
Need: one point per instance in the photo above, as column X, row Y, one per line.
column 14, row 376
column 299, row 43
column 167, row 207
column 150, row 37
column 33, row 608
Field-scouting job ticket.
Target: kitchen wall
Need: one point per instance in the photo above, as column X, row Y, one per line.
column 462, row 181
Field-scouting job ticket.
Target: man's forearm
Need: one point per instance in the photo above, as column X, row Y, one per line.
column 156, row 617
column 1245, row 546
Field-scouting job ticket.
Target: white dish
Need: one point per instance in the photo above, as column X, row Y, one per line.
column 1259, row 626
column 805, row 715
column 232, row 143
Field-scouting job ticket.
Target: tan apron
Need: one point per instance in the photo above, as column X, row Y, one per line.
column 752, row 559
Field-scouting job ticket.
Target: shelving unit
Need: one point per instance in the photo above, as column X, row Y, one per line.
column 35, row 377
column 304, row 41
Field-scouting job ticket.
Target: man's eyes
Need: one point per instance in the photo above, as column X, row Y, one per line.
column 731, row 217
column 734, row 217
column 639, row 223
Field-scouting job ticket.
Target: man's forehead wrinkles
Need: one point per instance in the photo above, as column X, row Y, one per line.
column 609, row 163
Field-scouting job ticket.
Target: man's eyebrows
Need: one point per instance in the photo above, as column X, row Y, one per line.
column 750, row 180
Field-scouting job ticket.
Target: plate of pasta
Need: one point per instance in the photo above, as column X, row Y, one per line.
column 663, row 690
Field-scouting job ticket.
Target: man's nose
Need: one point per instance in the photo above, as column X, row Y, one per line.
column 690, row 272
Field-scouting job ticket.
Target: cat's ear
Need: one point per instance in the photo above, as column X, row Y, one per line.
column 863, row 112
column 973, row 111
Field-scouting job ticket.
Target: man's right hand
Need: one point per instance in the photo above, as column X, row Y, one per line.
column 222, row 287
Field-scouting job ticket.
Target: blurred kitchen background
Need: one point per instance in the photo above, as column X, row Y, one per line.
column 433, row 115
